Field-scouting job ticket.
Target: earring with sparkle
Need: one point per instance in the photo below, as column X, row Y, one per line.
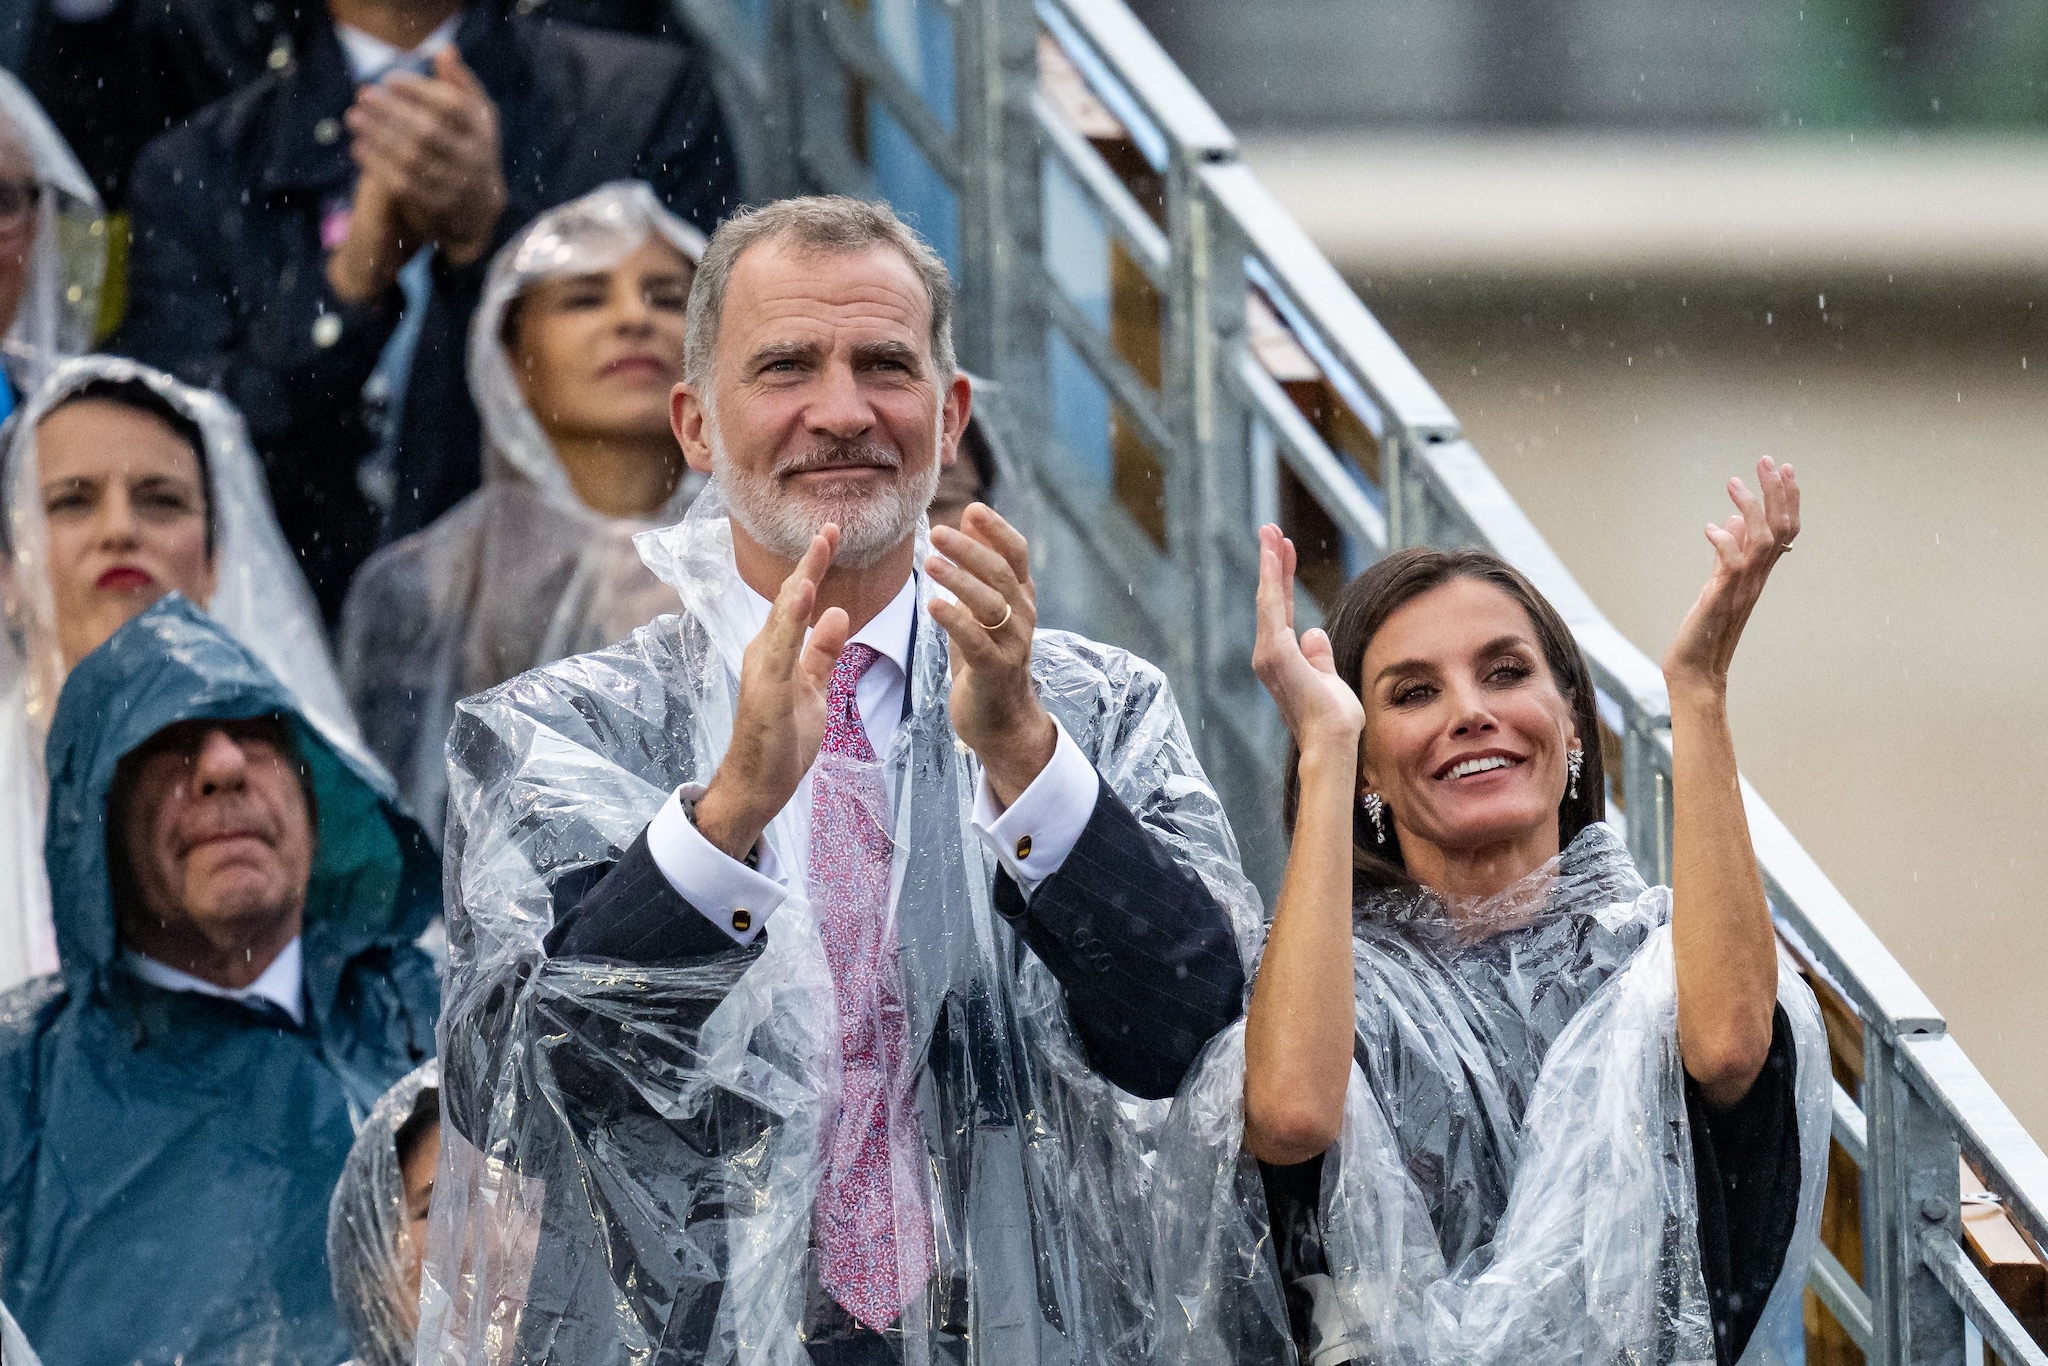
column 1575, row 761
column 1373, row 804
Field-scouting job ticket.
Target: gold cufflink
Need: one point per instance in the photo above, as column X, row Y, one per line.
column 742, row 921
column 1023, row 848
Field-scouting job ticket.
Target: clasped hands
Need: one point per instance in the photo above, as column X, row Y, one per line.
column 785, row 675
column 427, row 152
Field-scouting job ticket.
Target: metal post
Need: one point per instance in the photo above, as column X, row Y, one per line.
column 1649, row 802
column 1008, row 43
column 1915, row 1192
column 1186, row 392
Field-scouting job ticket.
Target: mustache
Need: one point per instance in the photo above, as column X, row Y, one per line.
column 840, row 453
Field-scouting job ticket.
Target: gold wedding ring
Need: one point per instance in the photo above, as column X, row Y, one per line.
column 999, row 625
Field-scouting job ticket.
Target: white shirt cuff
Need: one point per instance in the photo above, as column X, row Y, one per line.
column 1033, row 838
column 732, row 896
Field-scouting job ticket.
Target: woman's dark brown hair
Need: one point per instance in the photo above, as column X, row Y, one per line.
column 1364, row 606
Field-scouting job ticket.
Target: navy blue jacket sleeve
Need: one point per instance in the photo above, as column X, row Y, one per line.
column 1144, row 951
column 633, row 915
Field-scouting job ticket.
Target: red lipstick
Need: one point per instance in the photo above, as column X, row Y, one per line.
column 123, row 578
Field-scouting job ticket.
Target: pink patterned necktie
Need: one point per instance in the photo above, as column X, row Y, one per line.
column 871, row 1188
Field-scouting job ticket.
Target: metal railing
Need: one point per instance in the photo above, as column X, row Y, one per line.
column 939, row 105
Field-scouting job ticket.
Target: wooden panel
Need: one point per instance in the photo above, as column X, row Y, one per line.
column 1135, row 331
column 2005, row 1256
column 1321, row 566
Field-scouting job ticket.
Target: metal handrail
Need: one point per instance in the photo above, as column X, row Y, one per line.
column 1222, row 429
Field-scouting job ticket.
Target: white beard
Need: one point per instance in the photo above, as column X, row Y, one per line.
column 871, row 522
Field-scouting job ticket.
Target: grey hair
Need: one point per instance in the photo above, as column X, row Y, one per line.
column 815, row 223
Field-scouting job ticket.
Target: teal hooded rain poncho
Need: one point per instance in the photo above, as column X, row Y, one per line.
column 166, row 1158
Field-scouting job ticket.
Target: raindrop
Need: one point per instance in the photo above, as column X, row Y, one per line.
column 1767, row 320
column 1823, row 303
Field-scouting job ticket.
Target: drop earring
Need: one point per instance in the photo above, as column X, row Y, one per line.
column 1372, row 813
column 1573, row 762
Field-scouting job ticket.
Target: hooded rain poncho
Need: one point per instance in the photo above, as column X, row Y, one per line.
column 166, row 1157
column 640, row 1147
column 58, row 315
column 369, row 1235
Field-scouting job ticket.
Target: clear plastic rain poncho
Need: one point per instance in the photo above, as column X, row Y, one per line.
column 521, row 572
column 369, row 1235
column 259, row 595
column 643, row 1145
column 1515, row 1178
column 60, row 298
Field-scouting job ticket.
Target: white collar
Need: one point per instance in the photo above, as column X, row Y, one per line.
column 282, row 984
column 888, row 634
column 369, row 58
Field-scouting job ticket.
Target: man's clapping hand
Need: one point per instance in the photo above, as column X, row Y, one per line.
column 430, row 166
column 986, row 565
column 779, row 721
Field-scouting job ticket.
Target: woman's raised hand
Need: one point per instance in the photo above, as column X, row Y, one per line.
column 1319, row 707
column 1746, row 546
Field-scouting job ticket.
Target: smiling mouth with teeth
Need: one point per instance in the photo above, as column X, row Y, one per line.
column 1485, row 765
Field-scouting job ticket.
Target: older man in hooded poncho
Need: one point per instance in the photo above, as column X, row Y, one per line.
column 820, row 955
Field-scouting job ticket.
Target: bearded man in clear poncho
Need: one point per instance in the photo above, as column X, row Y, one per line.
column 1494, row 1099
column 821, row 956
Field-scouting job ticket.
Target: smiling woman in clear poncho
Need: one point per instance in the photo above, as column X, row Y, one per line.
column 572, row 353
column 1538, row 1111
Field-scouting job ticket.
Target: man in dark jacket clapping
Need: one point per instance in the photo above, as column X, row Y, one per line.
column 272, row 229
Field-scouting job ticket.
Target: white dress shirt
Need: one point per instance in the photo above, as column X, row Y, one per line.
column 369, row 58
column 1031, row 839
column 282, row 984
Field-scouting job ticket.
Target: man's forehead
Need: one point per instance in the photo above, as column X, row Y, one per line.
column 782, row 292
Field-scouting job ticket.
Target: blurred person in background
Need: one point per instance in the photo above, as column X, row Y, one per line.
column 573, row 352
column 1509, row 1104
column 973, row 477
column 377, row 1223
column 236, row 899
column 314, row 245
column 120, row 486
column 53, row 247
column 172, row 58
